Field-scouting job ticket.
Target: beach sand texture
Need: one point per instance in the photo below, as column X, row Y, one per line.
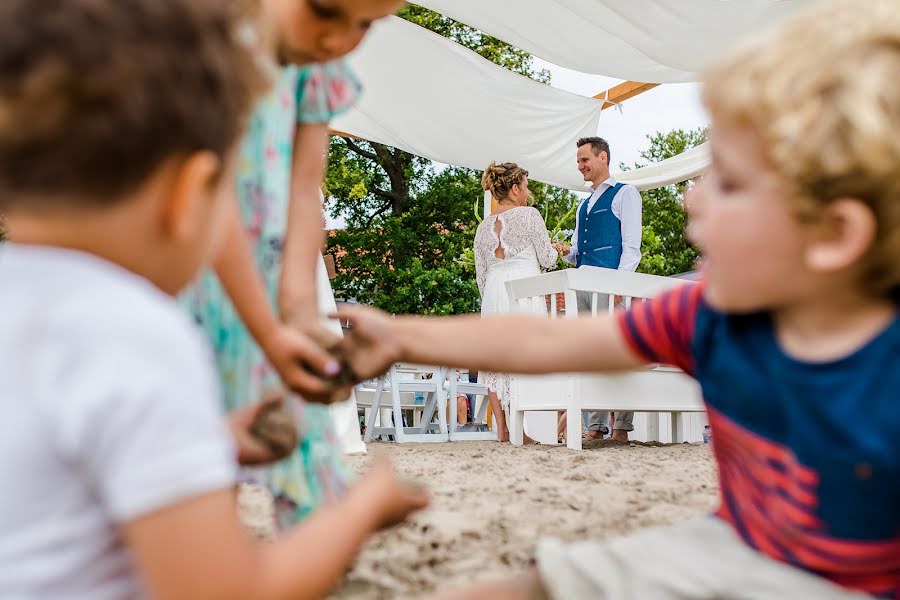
column 491, row 503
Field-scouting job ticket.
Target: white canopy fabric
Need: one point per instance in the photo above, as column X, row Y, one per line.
column 653, row 41
column 434, row 98
column 687, row 165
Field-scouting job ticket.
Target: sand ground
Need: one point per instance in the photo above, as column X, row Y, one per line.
column 492, row 502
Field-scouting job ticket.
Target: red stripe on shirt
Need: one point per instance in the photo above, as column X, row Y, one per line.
column 761, row 483
column 662, row 329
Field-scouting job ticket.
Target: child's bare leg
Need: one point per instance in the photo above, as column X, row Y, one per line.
column 528, row 587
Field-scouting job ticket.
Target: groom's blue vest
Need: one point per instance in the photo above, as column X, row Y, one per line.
column 600, row 232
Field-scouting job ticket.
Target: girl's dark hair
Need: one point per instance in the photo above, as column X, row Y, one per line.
column 96, row 94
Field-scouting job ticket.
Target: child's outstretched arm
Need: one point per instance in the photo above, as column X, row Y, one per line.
column 305, row 230
column 300, row 362
column 199, row 550
column 509, row 343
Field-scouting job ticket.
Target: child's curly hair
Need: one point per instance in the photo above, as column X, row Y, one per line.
column 823, row 93
column 96, row 94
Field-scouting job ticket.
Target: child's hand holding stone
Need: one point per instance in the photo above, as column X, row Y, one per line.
column 371, row 345
column 264, row 432
column 304, row 365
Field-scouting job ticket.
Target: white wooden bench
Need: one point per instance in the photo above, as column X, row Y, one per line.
column 651, row 391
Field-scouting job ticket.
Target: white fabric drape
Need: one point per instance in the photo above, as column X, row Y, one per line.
column 434, row 98
column 686, row 165
column 654, row 41
column 430, row 96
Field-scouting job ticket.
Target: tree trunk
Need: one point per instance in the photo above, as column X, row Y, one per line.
column 396, row 164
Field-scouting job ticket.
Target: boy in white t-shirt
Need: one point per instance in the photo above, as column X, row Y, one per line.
column 116, row 125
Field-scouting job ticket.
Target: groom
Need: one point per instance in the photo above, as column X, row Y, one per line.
column 607, row 234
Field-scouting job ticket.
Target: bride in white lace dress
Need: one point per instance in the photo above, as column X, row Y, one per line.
column 512, row 243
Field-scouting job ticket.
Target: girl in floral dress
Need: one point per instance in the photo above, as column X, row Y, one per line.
column 280, row 167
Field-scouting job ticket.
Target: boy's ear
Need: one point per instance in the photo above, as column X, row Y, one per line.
column 191, row 192
column 843, row 236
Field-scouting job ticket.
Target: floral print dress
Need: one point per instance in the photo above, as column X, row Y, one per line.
column 316, row 473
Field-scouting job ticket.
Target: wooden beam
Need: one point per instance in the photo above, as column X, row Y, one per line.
column 344, row 134
column 622, row 92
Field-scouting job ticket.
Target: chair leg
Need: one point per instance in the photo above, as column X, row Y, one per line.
column 451, row 424
column 573, row 429
column 677, row 428
column 398, row 411
column 375, row 410
column 482, row 409
column 653, row 426
column 441, row 402
column 428, row 412
column 516, row 426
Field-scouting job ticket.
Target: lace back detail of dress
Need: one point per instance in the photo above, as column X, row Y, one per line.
column 520, row 228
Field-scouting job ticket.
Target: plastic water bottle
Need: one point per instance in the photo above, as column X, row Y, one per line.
column 707, row 434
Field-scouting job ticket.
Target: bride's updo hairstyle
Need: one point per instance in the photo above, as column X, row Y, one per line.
column 499, row 179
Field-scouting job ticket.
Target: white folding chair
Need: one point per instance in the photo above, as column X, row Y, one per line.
column 457, row 387
column 401, row 393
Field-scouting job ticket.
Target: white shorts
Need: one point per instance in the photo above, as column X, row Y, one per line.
column 699, row 559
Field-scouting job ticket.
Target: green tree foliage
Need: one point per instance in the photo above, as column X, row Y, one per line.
column 408, row 263
column 664, row 246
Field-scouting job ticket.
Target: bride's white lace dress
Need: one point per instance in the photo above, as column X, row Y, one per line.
column 526, row 248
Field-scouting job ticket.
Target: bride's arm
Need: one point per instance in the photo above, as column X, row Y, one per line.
column 543, row 247
column 481, row 264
